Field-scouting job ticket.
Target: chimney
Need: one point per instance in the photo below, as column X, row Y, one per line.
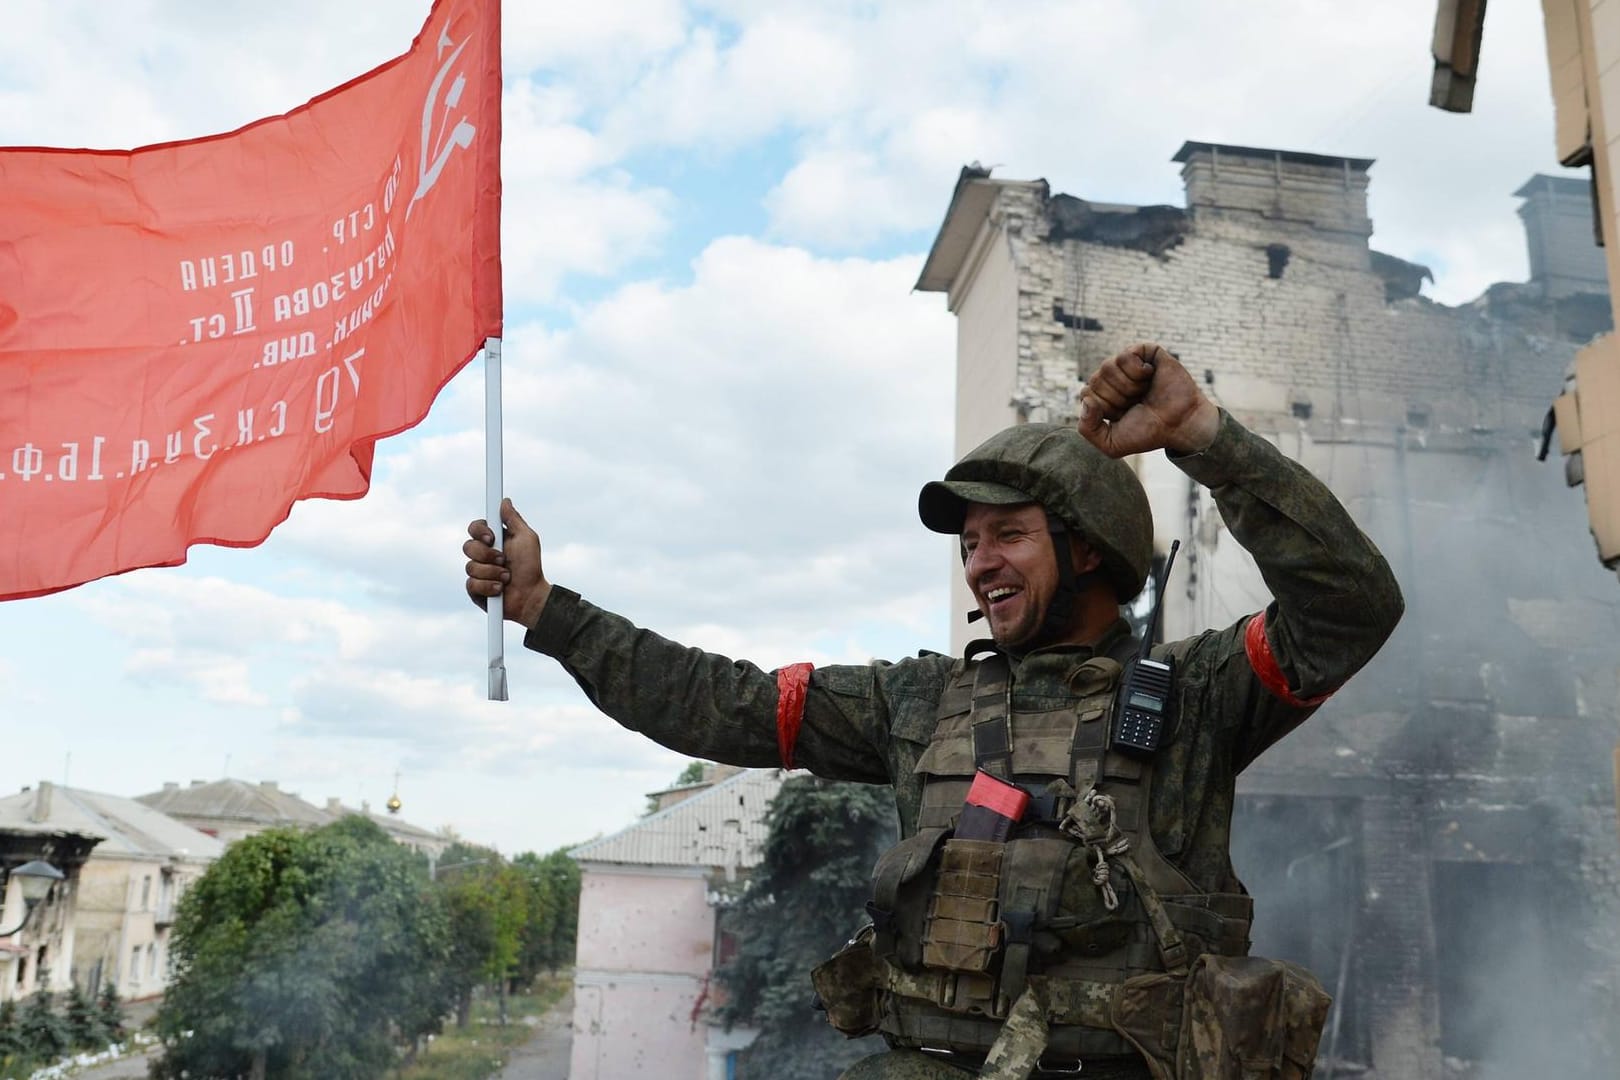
column 334, row 805
column 1286, row 188
column 198, row 783
column 42, row 802
column 714, row 774
column 171, row 785
column 268, row 785
column 1559, row 229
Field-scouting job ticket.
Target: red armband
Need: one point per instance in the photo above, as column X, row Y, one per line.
column 791, row 684
column 1266, row 669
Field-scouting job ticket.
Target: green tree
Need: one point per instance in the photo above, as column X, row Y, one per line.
column 110, row 1012
column 488, row 902
column 304, row 954
column 43, row 1034
column 461, row 885
column 800, row 905
column 553, row 925
column 84, row 1026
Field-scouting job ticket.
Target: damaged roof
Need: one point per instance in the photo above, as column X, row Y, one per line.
column 128, row 829
column 970, row 205
column 722, row 828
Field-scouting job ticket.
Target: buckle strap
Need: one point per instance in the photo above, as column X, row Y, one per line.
column 1022, row 1040
column 1172, row 949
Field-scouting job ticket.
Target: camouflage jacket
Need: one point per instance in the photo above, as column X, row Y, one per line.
column 1336, row 601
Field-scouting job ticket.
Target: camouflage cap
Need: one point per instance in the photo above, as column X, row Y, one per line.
column 1097, row 497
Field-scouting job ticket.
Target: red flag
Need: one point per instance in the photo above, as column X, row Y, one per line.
column 194, row 335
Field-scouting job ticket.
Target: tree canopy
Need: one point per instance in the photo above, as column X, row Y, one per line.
column 549, row 935
column 801, row 904
column 317, row 955
column 304, row 954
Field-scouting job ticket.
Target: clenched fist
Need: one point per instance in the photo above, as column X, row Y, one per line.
column 1142, row 400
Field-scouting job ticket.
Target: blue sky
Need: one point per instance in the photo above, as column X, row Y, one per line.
column 722, row 394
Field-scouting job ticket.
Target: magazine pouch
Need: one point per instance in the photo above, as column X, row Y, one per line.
column 963, row 928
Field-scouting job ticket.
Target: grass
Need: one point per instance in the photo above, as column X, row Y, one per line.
column 479, row 1050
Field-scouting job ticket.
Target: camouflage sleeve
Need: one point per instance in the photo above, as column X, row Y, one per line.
column 1335, row 599
column 709, row 706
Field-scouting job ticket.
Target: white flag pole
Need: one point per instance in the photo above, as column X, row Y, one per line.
column 493, row 486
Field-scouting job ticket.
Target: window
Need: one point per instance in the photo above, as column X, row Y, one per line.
column 151, row 962
column 146, row 892
column 135, row 966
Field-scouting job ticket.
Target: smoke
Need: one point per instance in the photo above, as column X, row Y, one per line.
column 1438, row 843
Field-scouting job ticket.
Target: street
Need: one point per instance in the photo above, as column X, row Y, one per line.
column 545, row 1055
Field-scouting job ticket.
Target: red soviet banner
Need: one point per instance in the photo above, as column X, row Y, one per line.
column 196, row 334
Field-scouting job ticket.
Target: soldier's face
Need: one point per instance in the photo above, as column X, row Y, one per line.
column 1010, row 568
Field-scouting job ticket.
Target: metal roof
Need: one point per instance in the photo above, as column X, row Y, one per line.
column 722, row 828
column 393, row 826
column 235, row 800
column 128, row 828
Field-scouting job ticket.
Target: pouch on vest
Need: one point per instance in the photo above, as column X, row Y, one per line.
column 1248, row 1018
column 1230, row 1018
column 963, row 929
column 900, row 893
column 849, row 988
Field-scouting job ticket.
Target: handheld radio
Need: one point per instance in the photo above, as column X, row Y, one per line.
column 1143, row 706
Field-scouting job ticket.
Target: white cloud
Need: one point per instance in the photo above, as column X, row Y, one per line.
column 583, row 38
column 217, row 679
column 567, row 207
column 749, row 443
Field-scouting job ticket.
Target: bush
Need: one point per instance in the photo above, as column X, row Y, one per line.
column 83, row 1024
column 110, row 1013
column 43, row 1034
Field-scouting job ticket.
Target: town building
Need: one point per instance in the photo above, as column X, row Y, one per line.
column 36, row 952
column 428, row 842
column 1438, row 843
column 231, row 809
column 648, row 939
column 127, row 889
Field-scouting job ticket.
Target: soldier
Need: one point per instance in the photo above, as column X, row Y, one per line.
column 1106, row 931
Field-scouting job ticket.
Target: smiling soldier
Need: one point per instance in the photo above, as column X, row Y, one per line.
column 1062, row 898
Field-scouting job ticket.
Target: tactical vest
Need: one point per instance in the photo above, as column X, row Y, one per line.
column 1078, row 900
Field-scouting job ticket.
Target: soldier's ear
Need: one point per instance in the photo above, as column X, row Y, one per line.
column 1086, row 558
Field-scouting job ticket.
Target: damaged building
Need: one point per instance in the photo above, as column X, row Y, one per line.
column 1439, row 842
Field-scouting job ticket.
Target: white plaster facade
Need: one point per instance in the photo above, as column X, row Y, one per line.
column 128, row 889
column 647, row 945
